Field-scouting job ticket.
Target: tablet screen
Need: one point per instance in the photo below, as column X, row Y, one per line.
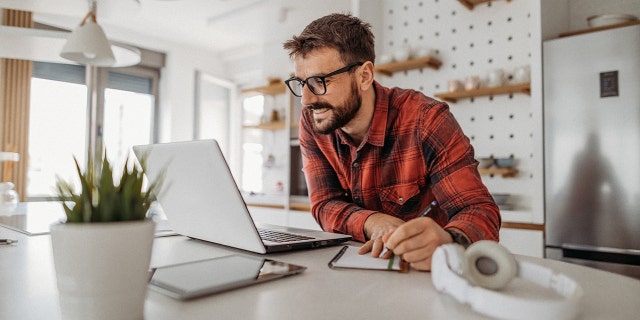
column 199, row 278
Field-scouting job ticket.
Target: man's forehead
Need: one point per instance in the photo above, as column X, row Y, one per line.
column 316, row 62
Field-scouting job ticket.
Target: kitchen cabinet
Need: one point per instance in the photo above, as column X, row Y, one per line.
column 425, row 62
column 454, row 96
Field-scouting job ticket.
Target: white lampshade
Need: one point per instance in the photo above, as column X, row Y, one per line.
column 88, row 44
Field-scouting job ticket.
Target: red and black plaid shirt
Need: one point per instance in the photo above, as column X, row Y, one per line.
column 415, row 152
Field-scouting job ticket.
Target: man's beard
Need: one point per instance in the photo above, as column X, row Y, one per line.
column 341, row 114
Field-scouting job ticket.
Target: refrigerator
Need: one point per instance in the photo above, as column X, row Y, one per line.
column 591, row 125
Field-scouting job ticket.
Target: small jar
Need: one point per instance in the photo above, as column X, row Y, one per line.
column 275, row 115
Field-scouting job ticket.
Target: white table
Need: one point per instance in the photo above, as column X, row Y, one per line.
column 28, row 288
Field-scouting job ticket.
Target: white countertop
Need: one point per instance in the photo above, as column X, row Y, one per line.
column 28, row 288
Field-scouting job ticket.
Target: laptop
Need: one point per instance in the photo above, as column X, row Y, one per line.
column 202, row 201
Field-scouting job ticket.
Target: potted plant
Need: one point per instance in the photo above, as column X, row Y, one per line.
column 102, row 251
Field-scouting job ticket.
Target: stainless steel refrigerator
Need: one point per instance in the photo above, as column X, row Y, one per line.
column 592, row 149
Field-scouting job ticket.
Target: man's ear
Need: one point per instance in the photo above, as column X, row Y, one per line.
column 365, row 75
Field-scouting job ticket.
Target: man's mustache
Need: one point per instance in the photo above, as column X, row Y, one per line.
column 317, row 106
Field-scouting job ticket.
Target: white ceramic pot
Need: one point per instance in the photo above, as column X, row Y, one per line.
column 102, row 268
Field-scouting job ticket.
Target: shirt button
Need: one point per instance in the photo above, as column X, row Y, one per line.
column 400, row 199
column 355, row 165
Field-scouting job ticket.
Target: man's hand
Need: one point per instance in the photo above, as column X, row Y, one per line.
column 375, row 227
column 416, row 240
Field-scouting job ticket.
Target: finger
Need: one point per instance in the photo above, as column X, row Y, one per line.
column 421, row 253
column 405, row 231
column 377, row 248
column 366, row 247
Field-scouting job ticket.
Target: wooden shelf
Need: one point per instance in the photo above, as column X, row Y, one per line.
column 472, row 3
column 596, row 29
column 426, row 62
column 505, row 172
column 456, row 95
column 274, row 125
column 300, row 206
column 273, row 88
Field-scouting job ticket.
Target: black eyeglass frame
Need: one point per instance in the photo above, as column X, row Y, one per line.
column 320, row 78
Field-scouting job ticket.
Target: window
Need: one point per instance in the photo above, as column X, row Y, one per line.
column 60, row 126
column 57, row 119
column 213, row 110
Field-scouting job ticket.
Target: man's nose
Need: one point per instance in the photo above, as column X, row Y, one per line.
column 307, row 96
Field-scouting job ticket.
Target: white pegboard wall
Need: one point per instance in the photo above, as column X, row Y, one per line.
column 495, row 35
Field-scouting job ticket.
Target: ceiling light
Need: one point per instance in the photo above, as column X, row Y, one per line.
column 88, row 44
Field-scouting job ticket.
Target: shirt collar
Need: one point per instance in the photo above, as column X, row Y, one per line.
column 381, row 111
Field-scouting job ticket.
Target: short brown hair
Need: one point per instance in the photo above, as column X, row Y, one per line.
column 349, row 35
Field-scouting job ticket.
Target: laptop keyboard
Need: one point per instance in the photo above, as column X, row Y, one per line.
column 275, row 236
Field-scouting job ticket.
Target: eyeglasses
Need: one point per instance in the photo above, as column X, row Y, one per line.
column 316, row 84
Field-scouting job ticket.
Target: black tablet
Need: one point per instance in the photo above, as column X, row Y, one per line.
column 200, row 278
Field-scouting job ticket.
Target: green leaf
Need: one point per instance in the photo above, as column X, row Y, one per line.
column 102, row 200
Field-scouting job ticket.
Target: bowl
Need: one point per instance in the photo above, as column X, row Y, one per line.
column 609, row 19
column 500, row 198
column 505, row 162
column 485, row 163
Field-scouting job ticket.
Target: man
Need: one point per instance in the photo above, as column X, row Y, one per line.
column 374, row 158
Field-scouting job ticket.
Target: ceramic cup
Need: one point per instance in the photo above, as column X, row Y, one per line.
column 402, row 53
column 385, row 58
column 421, row 52
column 455, row 85
column 522, row 74
column 472, row 83
column 496, row 78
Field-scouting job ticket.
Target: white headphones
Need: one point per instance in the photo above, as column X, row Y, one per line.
column 464, row 274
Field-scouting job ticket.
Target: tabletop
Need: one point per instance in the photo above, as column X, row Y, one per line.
column 28, row 288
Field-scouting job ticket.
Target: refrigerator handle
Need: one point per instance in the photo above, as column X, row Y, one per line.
column 587, row 252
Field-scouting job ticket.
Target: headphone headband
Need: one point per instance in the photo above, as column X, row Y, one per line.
column 451, row 266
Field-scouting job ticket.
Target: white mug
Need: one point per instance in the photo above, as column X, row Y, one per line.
column 496, row 78
column 472, row 83
column 522, row 74
column 421, row 52
column 401, row 54
column 455, row 85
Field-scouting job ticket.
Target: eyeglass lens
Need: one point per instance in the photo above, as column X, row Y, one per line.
column 316, row 84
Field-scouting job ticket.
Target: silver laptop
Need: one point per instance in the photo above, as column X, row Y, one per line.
column 201, row 200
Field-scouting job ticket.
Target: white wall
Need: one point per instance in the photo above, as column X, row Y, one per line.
column 177, row 90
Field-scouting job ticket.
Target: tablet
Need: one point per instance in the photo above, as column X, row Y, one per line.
column 200, row 278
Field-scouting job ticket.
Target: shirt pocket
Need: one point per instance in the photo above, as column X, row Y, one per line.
column 399, row 198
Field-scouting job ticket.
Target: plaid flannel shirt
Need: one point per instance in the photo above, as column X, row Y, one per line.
column 415, row 152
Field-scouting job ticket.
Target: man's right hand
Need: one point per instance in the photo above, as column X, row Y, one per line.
column 375, row 227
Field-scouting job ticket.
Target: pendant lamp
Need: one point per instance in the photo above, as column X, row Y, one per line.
column 88, row 44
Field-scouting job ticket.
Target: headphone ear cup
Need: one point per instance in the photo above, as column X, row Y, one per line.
column 490, row 265
column 457, row 261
